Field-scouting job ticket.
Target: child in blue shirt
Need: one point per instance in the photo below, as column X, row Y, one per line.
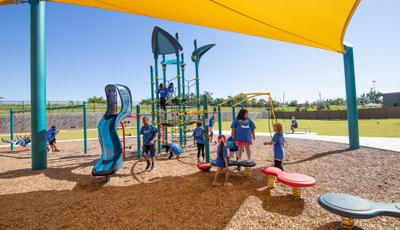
column 173, row 148
column 163, row 96
column 233, row 148
column 199, row 138
column 51, row 138
column 171, row 90
column 243, row 132
column 149, row 133
column 222, row 162
column 21, row 141
column 278, row 140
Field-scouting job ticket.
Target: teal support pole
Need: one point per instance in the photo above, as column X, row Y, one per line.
column 152, row 94
column 196, row 64
column 178, row 77
column 183, row 65
column 85, row 141
column 205, row 125
column 351, row 97
column 158, row 103
column 164, row 69
column 11, row 129
column 38, row 84
column 233, row 109
column 219, row 121
column 139, row 144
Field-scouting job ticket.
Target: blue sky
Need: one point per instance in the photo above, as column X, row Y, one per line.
column 88, row 48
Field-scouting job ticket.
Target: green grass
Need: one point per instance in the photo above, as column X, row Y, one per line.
column 74, row 135
column 368, row 128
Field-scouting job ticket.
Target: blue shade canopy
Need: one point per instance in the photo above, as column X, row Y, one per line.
column 199, row 52
column 164, row 43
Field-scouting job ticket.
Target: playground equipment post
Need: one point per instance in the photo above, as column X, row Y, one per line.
column 178, row 77
column 158, row 102
column 12, row 129
column 219, row 120
column 85, row 127
column 196, row 64
column 152, row 93
column 139, row 147
column 38, row 84
column 205, row 122
column 351, row 97
column 183, row 97
column 164, row 69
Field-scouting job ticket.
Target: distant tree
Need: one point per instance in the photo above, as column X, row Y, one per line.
column 209, row 95
column 1, row 98
column 262, row 102
column 252, row 103
column 97, row 100
column 146, row 101
column 293, row 103
column 374, row 96
column 218, row 100
column 276, row 104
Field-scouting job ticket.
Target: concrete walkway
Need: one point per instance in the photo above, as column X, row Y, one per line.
column 387, row 143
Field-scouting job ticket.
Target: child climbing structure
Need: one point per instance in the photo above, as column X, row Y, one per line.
column 170, row 107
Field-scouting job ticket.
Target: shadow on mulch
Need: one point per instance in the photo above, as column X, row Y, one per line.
column 284, row 205
column 63, row 172
column 319, row 155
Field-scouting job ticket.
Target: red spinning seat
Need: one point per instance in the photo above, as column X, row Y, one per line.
column 205, row 167
column 272, row 171
column 296, row 180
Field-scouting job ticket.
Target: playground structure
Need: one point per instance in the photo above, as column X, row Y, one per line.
column 112, row 152
column 317, row 31
column 175, row 113
column 50, row 110
column 110, row 163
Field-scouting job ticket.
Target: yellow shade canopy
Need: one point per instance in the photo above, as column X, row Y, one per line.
column 316, row 23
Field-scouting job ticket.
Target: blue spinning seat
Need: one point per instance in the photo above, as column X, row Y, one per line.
column 351, row 207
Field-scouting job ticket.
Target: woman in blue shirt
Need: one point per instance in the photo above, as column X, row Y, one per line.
column 243, row 132
column 222, row 162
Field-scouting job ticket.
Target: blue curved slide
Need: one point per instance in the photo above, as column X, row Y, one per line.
column 111, row 157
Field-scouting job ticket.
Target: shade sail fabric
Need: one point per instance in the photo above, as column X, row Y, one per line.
column 316, row 23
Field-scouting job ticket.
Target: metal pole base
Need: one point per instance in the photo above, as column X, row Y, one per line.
column 271, row 181
column 296, row 192
column 248, row 172
column 347, row 223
